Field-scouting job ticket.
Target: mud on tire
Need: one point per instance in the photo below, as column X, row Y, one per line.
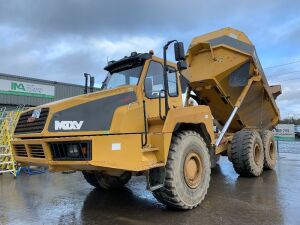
column 270, row 151
column 187, row 172
column 247, row 153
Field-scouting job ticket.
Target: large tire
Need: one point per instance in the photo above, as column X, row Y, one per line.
column 247, row 153
column 187, row 172
column 105, row 181
column 91, row 179
column 109, row 182
column 270, row 151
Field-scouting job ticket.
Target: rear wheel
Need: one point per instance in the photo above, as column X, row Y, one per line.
column 187, row 172
column 270, row 151
column 105, row 181
column 247, row 154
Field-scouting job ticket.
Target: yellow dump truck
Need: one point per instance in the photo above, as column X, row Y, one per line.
column 139, row 124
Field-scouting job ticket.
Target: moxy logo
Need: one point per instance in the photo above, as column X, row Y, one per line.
column 68, row 125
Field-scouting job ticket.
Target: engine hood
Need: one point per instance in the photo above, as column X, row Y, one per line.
column 85, row 114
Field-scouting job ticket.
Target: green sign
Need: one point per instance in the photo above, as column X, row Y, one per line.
column 17, row 86
column 10, row 87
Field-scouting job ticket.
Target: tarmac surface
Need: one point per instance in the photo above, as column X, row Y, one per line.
column 55, row 198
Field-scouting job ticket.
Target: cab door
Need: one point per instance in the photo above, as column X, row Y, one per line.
column 153, row 90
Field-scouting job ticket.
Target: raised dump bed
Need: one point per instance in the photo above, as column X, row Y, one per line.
column 225, row 73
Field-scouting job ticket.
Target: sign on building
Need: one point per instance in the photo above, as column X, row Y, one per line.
column 11, row 87
column 285, row 131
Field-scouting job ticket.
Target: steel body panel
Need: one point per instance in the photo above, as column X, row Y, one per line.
column 122, row 152
column 214, row 59
column 119, row 115
column 96, row 115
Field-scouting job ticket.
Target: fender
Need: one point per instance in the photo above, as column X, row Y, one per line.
column 193, row 115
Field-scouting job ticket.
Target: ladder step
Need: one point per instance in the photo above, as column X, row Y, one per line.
column 6, row 171
column 9, row 162
column 5, row 154
column 150, row 149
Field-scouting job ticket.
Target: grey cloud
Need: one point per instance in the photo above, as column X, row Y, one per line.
column 114, row 16
column 30, row 31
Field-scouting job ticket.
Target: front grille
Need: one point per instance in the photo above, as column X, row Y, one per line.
column 26, row 125
column 20, row 150
column 65, row 151
column 36, row 151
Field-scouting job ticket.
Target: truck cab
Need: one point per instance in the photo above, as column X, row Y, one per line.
column 145, row 71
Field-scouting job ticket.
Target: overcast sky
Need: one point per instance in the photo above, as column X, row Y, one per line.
column 60, row 40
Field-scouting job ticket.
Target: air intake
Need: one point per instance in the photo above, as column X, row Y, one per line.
column 29, row 124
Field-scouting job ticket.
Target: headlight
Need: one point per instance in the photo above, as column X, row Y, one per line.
column 73, row 150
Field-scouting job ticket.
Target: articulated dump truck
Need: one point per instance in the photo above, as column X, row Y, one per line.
column 139, row 123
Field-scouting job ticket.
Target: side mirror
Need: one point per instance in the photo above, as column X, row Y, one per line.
column 179, row 51
column 181, row 65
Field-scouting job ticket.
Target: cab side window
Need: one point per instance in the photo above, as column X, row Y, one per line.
column 172, row 82
column 154, row 81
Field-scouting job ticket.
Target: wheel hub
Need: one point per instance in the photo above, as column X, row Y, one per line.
column 272, row 151
column 193, row 170
column 256, row 153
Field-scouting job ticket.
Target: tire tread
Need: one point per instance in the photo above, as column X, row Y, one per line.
column 167, row 194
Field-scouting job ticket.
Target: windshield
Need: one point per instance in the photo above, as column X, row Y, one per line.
column 123, row 76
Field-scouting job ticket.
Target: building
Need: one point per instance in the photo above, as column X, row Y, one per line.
column 19, row 90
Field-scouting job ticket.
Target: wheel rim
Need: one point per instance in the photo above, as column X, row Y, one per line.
column 256, row 153
column 272, row 151
column 193, row 170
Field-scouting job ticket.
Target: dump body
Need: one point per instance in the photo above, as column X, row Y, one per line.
column 220, row 64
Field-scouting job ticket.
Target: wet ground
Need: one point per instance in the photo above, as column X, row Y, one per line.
column 55, row 198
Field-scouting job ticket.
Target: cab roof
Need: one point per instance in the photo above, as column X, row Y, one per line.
column 134, row 57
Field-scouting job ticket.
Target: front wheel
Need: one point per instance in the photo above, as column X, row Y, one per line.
column 91, row 179
column 105, row 181
column 187, row 172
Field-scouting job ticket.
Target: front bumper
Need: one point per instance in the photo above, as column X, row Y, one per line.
column 122, row 152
